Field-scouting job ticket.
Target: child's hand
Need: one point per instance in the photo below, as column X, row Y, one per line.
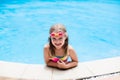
column 61, row 64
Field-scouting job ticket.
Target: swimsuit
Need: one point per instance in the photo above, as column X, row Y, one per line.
column 58, row 58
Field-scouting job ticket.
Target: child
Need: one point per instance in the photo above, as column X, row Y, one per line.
column 58, row 50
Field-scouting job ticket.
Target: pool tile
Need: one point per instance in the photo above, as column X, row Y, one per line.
column 11, row 69
column 75, row 73
column 116, row 77
column 104, row 66
column 5, row 78
column 37, row 72
column 106, row 77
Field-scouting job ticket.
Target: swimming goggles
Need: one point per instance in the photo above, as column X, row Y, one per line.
column 58, row 34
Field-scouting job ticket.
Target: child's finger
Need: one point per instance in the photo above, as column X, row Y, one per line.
column 58, row 62
column 61, row 61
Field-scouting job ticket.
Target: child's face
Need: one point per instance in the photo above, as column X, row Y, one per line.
column 58, row 39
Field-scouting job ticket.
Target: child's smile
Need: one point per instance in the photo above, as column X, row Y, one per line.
column 58, row 42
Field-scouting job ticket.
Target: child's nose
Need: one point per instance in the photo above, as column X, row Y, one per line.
column 57, row 41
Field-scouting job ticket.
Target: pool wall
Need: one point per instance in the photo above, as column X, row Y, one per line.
column 91, row 69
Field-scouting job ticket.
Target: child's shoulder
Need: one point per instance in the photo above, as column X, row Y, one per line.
column 71, row 50
column 70, row 47
column 46, row 46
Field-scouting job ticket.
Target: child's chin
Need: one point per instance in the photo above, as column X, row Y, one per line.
column 58, row 47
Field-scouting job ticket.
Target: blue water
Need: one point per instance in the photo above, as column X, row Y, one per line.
column 93, row 28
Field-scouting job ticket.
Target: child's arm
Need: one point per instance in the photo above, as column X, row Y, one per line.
column 47, row 57
column 68, row 65
column 74, row 59
column 52, row 64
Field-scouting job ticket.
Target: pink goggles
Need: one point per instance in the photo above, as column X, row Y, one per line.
column 58, row 34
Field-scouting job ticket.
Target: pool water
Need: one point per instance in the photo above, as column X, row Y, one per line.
column 93, row 28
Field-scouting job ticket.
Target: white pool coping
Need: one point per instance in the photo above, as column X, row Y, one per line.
column 20, row 71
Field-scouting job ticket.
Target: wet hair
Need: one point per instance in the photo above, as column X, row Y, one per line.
column 58, row 27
